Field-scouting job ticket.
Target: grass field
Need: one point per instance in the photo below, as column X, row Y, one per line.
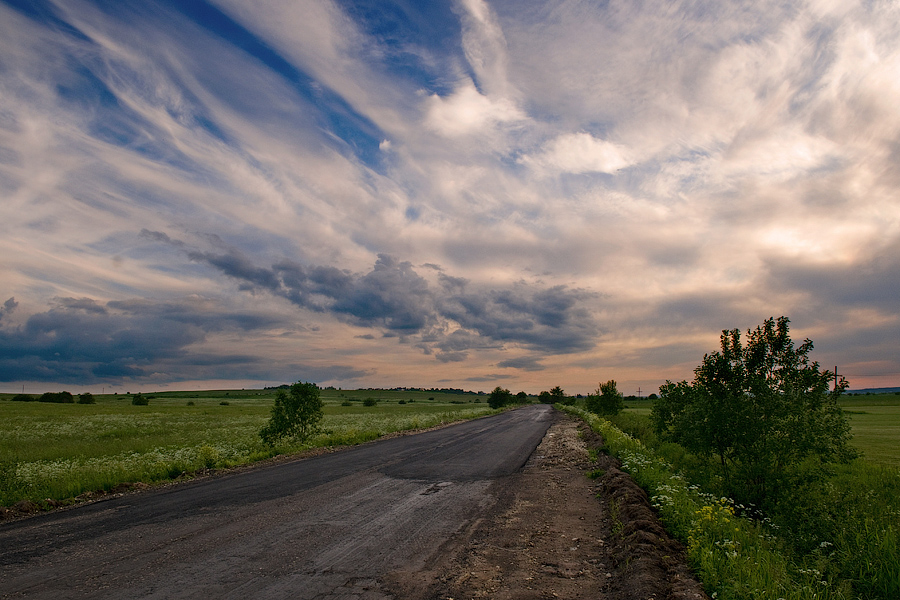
column 876, row 426
column 58, row 451
column 875, row 422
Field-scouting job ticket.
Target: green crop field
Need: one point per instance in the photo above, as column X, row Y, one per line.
column 58, row 451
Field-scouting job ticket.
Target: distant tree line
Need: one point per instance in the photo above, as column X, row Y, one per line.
column 501, row 397
column 56, row 397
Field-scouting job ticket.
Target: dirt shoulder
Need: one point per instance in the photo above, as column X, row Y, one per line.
column 558, row 534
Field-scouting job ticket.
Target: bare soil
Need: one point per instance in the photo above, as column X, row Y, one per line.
column 556, row 533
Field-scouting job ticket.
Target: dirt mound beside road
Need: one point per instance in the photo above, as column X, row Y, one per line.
column 557, row 534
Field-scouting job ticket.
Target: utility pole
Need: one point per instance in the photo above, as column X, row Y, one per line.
column 639, row 392
column 835, row 377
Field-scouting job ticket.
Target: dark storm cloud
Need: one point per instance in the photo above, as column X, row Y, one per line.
column 394, row 298
column 525, row 363
column 8, row 307
column 83, row 341
column 80, row 340
column 551, row 320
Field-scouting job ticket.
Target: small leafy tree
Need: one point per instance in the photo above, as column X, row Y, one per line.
column 86, row 398
column 521, row 397
column 606, row 400
column 140, row 400
column 296, row 414
column 499, row 397
column 545, row 397
column 763, row 412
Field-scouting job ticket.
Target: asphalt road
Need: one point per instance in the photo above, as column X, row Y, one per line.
column 329, row 527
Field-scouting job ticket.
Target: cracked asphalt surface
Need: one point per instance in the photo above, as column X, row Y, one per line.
column 333, row 526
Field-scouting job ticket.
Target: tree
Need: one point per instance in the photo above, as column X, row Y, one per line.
column 545, row 397
column 522, row 397
column 499, row 397
column 559, row 396
column 763, row 412
column 606, row 400
column 295, row 415
column 86, row 398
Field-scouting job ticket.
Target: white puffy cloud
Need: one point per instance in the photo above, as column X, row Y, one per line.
column 578, row 153
column 467, row 112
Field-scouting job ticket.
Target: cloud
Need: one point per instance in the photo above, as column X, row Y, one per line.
column 394, row 298
column 8, row 307
column 485, row 47
column 525, row 363
column 84, row 341
column 467, row 112
column 578, row 153
column 487, row 378
column 461, row 186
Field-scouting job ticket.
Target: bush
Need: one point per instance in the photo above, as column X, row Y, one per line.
column 208, row 456
column 370, row 402
column 140, row 400
column 57, row 397
column 296, row 414
column 23, row 398
column 86, row 398
column 607, row 400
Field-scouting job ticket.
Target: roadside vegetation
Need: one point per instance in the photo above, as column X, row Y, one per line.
column 53, row 452
column 753, row 467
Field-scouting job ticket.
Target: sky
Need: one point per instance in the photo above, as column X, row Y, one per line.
column 468, row 193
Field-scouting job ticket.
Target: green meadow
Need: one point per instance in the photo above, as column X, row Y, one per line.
column 875, row 421
column 57, row 452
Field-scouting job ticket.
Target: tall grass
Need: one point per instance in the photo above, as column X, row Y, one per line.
column 849, row 551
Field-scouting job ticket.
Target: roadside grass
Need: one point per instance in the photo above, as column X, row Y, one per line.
column 835, row 542
column 57, row 452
